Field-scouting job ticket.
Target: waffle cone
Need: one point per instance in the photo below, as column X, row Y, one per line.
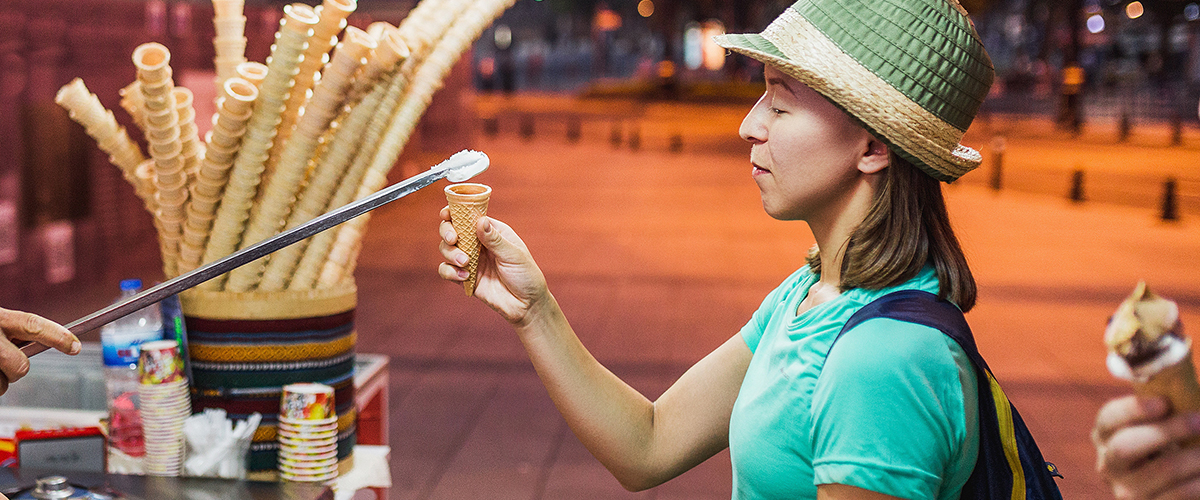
column 468, row 202
column 1177, row 383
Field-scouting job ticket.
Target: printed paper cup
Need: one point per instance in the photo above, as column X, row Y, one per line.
column 160, row 363
column 307, row 403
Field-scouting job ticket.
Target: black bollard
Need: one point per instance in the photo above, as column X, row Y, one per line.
column 614, row 137
column 635, row 137
column 676, row 143
column 491, row 126
column 1123, row 127
column 527, row 127
column 1176, row 129
column 574, row 129
column 1170, row 207
column 998, row 147
column 1077, row 186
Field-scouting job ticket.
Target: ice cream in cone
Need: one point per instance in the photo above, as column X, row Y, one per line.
column 1147, row 347
column 468, row 202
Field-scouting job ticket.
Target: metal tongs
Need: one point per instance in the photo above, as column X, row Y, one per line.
column 458, row 168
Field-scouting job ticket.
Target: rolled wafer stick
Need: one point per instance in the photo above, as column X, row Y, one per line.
column 100, row 124
column 189, row 134
column 239, row 97
column 1148, row 348
column 152, row 61
column 228, row 8
column 427, row 22
column 391, row 50
column 349, row 237
column 468, row 203
column 230, row 23
column 315, row 198
column 253, row 72
column 317, row 251
column 248, row 167
column 284, row 184
column 131, row 102
column 331, row 16
column 430, row 77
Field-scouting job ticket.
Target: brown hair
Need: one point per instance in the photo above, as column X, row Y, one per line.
column 906, row 226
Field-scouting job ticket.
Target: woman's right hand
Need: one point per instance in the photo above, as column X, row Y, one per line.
column 509, row 281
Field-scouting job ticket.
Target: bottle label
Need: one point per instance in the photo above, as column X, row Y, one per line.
column 123, row 349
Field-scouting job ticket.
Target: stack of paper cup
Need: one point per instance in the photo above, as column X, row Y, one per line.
column 165, row 405
column 307, row 433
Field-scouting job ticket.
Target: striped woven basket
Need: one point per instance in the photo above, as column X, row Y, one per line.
column 245, row 347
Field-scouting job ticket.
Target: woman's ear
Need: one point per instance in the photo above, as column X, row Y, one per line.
column 875, row 158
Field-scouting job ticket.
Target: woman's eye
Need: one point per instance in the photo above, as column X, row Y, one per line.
column 777, row 111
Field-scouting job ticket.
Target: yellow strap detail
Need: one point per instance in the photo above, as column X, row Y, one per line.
column 1008, row 437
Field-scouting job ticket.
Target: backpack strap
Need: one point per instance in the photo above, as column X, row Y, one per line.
column 1005, row 468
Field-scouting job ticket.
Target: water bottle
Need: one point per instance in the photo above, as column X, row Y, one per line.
column 120, row 341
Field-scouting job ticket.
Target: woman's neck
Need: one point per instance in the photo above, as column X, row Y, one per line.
column 832, row 231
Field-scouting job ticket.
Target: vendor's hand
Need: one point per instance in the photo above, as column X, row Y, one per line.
column 1140, row 450
column 509, row 281
column 25, row 326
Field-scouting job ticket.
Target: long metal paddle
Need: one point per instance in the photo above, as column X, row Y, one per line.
column 458, row 168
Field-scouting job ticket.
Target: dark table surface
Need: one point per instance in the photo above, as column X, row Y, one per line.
column 14, row 481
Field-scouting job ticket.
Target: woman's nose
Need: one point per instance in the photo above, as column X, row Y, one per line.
column 753, row 128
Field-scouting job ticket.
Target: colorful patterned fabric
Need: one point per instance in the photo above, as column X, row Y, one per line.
column 242, row 365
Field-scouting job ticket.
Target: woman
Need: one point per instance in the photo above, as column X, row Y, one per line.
column 890, row 413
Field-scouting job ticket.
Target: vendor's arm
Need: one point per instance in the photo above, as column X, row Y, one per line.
column 1140, row 450
column 642, row 443
column 25, row 326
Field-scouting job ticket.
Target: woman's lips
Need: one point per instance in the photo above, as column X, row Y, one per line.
column 759, row 170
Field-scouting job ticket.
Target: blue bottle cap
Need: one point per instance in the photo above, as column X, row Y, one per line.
column 131, row 284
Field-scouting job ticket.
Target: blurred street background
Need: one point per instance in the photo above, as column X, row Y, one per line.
column 612, row 128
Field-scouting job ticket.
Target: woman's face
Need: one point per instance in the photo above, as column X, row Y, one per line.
column 804, row 150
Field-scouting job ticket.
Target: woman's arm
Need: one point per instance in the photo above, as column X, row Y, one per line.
column 642, row 443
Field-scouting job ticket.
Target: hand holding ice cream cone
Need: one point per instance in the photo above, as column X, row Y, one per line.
column 507, row 278
column 1148, row 348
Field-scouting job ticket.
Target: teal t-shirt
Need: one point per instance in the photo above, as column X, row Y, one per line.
column 892, row 409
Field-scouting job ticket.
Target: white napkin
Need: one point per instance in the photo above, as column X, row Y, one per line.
column 216, row 447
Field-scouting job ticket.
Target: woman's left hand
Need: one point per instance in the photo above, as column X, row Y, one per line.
column 1140, row 450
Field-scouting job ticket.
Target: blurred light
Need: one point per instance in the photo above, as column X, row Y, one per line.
column 1095, row 24
column 646, row 8
column 1134, row 10
column 1191, row 12
column 181, row 14
column 666, row 69
column 693, row 51
column 607, row 20
column 714, row 55
column 487, row 67
column 503, row 37
column 1092, row 7
column 156, row 18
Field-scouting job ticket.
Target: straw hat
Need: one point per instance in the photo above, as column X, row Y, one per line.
column 914, row 72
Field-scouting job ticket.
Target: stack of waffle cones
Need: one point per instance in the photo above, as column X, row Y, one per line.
column 305, row 133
